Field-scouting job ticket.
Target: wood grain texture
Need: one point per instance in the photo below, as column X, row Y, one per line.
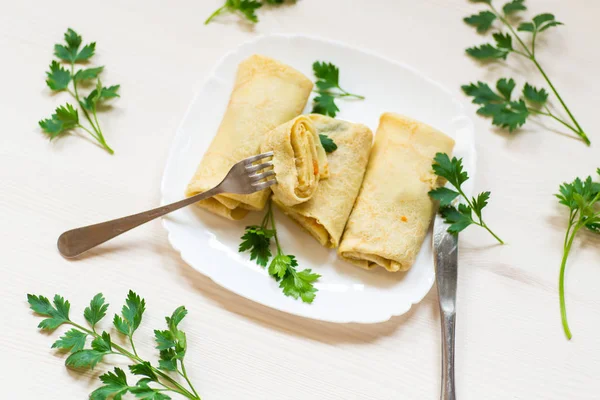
column 509, row 341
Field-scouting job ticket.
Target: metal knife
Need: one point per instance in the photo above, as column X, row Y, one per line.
column 445, row 255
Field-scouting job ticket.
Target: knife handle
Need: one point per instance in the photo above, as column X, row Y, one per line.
column 448, row 330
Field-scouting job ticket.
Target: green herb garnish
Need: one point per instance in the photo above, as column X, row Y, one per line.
column 257, row 239
column 328, row 89
column 462, row 216
column 327, row 143
column 66, row 117
column 246, row 8
column 583, row 199
column 507, row 113
column 156, row 380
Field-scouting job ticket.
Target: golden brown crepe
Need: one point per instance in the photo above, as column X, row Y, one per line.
column 393, row 210
column 326, row 213
column 266, row 94
column 299, row 160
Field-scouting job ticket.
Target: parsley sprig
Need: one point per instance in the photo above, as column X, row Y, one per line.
column 582, row 197
column 459, row 217
column 328, row 89
column 66, row 117
column 246, row 8
column 257, row 240
column 156, row 380
column 505, row 112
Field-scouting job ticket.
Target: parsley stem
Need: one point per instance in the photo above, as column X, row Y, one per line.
column 178, row 388
column 549, row 114
column 99, row 137
column 213, row 15
column 580, row 131
column 347, row 94
column 561, row 281
column 133, row 346
column 480, row 223
column 185, row 376
column 88, row 131
column 483, row 225
column 270, row 213
column 521, row 54
column 509, row 26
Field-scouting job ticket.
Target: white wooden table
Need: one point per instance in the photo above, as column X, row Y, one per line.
column 510, row 344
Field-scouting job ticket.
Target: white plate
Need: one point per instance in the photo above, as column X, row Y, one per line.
column 209, row 243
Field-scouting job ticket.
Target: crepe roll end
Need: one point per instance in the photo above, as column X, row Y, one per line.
column 299, row 160
column 371, row 261
column 259, row 65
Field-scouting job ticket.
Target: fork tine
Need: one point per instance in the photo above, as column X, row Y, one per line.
column 258, row 177
column 253, row 168
column 264, row 185
column 251, row 160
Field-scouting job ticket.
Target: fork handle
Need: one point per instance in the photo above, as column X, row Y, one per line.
column 448, row 335
column 77, row 241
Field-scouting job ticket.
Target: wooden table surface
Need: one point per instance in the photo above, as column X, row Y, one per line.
column 510, row 344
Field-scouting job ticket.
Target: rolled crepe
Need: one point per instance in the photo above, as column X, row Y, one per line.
column 393, row 210
column 266, row 94
column 299, row 160
column 325, row 214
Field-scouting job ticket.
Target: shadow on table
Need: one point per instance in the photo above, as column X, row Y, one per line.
column 325, row 332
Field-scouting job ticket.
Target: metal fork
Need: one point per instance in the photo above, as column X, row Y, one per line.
column 245, row 177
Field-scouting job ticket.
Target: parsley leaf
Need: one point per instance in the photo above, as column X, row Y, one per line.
column 73, row 341
column 503, row 41
column 487, row 52
column 257, row 239
column 71, row 52
column 131, row 314
column 280, row 264
column 143, row 369
column 328, row 88
column 143, row 391
column 96, row 311
column 102, row 343
column 115, row 384
column 505, row 112
column 99, row 95
column 514, row 6
column 87, row 73
column 444, row 196
column 59, row 78
column 459, row 217
column 513, row 114
column 582, row 197
column 168, row 360
column 299, row 284
column 282, row 268
column 325, row 104
column 533, row 95
column 539, row 24
column 64, row 119
column 327, row 143
column 246, row 8
column 58, row 313
column 172, row 343
column 85, row 359
column 482, row 21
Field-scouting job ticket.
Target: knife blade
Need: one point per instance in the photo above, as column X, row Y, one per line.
column 445, row 255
